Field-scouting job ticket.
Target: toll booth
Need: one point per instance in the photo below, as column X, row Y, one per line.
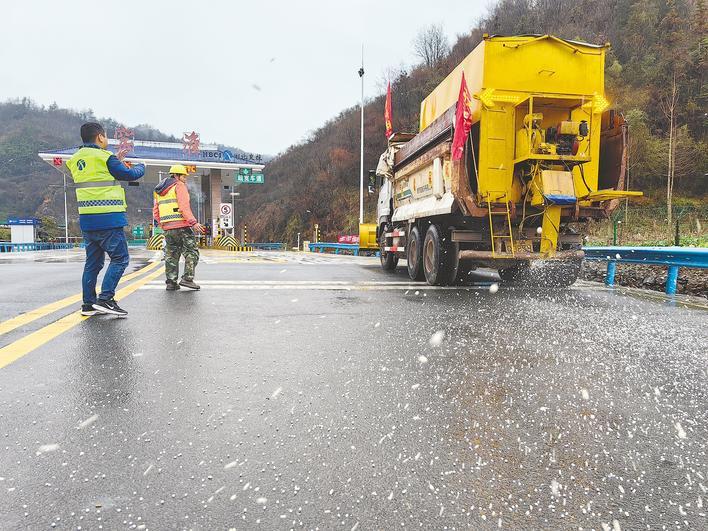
column 23, row 230
column 217, row 170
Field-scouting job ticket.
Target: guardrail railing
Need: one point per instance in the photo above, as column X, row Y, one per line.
column 268, row 246
column 6, row 247
column 672, row 257
column 321, row 247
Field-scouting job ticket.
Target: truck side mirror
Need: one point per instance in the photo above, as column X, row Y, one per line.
column 372, row 181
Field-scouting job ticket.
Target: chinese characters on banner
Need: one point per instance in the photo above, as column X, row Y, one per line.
column 348, row 238
column 248, row 156
column 190, row 143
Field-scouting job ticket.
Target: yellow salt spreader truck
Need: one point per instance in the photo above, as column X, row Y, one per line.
column 545, row 155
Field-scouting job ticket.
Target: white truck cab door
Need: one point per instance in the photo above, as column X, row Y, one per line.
column 383, row 207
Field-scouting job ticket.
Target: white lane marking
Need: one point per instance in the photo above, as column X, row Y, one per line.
column 340, row 287
column 295, row 282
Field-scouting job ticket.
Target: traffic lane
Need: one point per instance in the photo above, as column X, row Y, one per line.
column 308, row 267
column 331, row 408
column 26, row 284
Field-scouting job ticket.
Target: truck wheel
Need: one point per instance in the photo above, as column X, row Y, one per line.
column 560, row 274
column 440, row 258
column 520, row 273
column 389, row 260
column 414, row 255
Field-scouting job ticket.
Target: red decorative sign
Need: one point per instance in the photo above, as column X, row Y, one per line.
column 125, row 139
column 58, row 161
column 348, row 238
column 190, row 142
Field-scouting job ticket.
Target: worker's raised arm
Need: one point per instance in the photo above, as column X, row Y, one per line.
column 121, row 172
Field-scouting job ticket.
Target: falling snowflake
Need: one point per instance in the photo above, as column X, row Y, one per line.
column 437, row 338
column 46, row 448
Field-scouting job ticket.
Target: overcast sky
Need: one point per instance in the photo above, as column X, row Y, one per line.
column 259, row 75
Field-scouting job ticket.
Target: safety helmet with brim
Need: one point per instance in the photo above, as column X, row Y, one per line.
column 178, row 169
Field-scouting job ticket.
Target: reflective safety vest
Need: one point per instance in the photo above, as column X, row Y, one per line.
column 97, row 192
column 167, row 206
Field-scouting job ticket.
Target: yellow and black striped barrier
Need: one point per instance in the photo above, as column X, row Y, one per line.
column 156, row 242
column 229, row 243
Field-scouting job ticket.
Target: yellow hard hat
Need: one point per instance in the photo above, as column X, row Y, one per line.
column 178, row 169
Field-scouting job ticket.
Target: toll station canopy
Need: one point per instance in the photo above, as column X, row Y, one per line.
column 159, row 156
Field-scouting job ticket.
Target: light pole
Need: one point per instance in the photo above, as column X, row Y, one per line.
column 66, row 215
column 361, row 157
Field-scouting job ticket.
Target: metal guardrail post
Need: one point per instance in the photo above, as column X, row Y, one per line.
column 611, row 270
column 671, row 280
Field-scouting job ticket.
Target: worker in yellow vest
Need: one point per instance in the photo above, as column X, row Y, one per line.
column 172, row 211
column 101, row 200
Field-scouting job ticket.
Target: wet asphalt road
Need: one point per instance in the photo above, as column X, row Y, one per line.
column 301, row 391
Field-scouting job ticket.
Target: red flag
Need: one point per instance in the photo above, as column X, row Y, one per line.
column 463, row 121
column 388, row 112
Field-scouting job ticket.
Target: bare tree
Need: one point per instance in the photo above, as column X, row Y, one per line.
column 431, row 45
column 668, row 106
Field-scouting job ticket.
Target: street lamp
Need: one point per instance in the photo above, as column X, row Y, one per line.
column 361, row 157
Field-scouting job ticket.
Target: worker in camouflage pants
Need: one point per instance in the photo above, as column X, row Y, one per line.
column 180, row 242
column 172, row 211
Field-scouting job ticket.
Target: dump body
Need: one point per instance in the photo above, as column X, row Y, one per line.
column 531, row 165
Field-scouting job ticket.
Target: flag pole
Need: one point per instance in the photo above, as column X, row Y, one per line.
column 361, row 157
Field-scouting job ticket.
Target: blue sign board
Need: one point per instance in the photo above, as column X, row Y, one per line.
column 23, row 221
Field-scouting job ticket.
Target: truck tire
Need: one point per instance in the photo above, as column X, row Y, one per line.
column 440, row 257
column 520, row 273
column 414, row 255
column 560, row 274
column 389, row 260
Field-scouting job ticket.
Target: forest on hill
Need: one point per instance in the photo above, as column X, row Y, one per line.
column 654, row 44
column 655, row 75
column 31, row 187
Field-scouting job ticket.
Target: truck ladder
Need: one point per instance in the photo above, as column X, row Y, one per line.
column 507, row 213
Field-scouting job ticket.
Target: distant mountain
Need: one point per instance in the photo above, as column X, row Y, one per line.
column 30, row 187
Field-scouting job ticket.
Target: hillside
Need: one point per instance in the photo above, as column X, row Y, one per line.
column 652, row 40
column 31, row 187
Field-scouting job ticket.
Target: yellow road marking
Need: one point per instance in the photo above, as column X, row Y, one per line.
column 52, row 307
column 27, row 344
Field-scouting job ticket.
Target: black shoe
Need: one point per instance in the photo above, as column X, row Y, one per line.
column 171, row 285
column 87, row 309
column 109, row 307
column 189, row 284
